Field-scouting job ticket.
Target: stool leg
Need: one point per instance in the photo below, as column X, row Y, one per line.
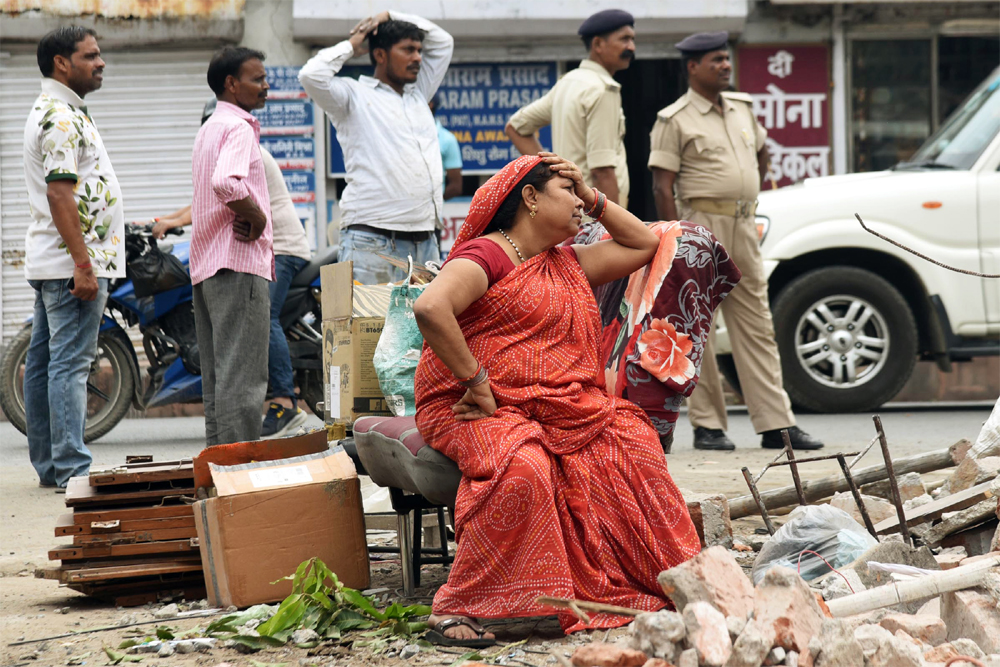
column 405, row 540
column 418, row 543
column 443, row 531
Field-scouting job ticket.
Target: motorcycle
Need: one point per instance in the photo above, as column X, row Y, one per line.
column 165, row 318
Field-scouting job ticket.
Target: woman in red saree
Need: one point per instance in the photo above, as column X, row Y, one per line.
column 565, row 490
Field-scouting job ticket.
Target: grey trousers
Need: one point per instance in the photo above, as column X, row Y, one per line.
column 232, row 317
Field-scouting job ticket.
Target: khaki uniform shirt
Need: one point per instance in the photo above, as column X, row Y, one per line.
column 713, row 154
column 584, row 109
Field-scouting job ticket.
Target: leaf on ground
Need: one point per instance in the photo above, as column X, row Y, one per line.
column 128, row 643
column 256, row 642
column 164, row 633
column 117, row 657
column 471, row 655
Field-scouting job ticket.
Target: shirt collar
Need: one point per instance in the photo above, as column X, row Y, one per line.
column 703, row 105
column 234, row 110
column 589, row 64
column 372, row 82
column 55, row 89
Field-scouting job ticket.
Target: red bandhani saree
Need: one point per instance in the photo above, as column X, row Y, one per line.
column 565, row 490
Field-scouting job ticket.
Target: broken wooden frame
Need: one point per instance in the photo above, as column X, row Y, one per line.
column 789, row 460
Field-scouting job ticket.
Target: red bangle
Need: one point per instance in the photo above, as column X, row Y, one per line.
column 597, row 200
column 479, row 367
column 85, row 265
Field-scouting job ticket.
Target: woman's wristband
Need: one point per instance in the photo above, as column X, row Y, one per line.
column 85, row 265
column 597, row 200
column 475, row 379
column 601, row 206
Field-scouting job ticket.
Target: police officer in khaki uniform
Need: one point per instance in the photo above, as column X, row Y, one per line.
column 707, row 150
column 584, row 108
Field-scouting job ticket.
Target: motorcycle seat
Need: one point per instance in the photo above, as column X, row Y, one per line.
column 310, row 271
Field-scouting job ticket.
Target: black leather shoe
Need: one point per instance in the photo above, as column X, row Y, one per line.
column 712, row 438
column 800, row 439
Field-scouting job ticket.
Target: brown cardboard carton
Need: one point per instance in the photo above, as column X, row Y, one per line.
column 353, row 317
column 270, row 516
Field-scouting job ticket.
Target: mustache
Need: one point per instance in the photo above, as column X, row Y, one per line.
column 628, row 54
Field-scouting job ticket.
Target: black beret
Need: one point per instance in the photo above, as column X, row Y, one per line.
column 701, row 42
column 605, row 22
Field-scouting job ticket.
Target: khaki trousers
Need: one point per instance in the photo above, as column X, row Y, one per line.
column 751, row 335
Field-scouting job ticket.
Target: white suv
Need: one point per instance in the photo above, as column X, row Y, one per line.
column 853, row 313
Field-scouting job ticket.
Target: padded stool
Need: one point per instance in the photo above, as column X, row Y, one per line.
column 418, row 477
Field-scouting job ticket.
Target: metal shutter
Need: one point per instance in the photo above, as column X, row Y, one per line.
column 148, row 113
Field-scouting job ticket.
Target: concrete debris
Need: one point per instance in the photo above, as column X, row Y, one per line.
column 835, row 586
column 168, row 611
column 893, row 552
column 910, row 486
column 878, row 509
column 942, row 653
column 835, row 645
column 988, row 442
column 871, row 638
column 658, row 633
column 304, row 636
column 776, row 656
column 784, row 601
column 792, row 659
column 688, row 658
column 951, row 558
column 966, row 646
column 953, row 522
column 599, row 654
column 919, row 501
column 710, row 515
column 960, row 450
column 752, row 646
column 409, row 651
column 735, row 625
column 973, row 471
column 658, row 662
column 928, row 629
column 712, row 576
column 707, row 633
column 165, row 651
column 995, row 542
column 972, row 614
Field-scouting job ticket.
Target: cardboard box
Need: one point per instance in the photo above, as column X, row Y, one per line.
column 353, row 317
column 270, row 516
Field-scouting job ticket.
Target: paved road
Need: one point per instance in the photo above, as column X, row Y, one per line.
column 29, row 512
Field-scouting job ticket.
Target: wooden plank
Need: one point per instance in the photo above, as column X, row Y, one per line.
column 65, row 526
column 70, row 566
column 126, row 526
column 142, row 511
column 76, row 553
column 139, row 599
column 163, row 472
column 81, row 494
column 127, row 571
column 933, row 510
column 135, row 537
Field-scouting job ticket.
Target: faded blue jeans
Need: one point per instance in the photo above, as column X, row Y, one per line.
column 360, row 246
column 279, row 363
column 63, row 346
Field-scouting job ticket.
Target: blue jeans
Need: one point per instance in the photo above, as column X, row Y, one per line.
column 360, row 246
column 279, row 364
column 63, row 346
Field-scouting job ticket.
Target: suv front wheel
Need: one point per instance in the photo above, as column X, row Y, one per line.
column 847, row 338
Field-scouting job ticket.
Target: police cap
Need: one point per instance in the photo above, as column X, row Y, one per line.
column 703, row 42
column 604, row 22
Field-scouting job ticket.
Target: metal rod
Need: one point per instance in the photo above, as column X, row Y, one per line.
column 405, row 538
column 893, row 484
column 764, row 470
column 793, row 467
column 857, row 495
column 756, row 497
column 813, row 459
column 862, row 454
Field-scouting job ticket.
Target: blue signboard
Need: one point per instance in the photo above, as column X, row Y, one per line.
column 291, row 152
column 475, row 102
column 284, row 79
column 286, row 117
column 301, row 186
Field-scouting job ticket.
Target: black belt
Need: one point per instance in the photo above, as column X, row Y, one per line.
column 413, row 237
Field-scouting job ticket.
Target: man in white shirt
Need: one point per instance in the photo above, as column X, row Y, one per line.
column 393, row 199
column 74, row 245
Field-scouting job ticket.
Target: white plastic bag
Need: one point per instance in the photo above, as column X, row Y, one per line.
column 828, row 531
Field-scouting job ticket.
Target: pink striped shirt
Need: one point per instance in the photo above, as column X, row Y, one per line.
column 227, row 167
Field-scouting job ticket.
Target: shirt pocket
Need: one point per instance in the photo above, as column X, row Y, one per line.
column 707, row 146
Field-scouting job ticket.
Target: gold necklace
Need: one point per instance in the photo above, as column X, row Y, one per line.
column 510, row 241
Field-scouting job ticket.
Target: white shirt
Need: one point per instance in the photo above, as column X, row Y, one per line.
column 289, row 234
column 62, row 142
column 390, row 141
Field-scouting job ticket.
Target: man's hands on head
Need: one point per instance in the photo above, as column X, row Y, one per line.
column 363, row 29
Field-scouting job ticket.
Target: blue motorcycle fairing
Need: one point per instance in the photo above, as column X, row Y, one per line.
column 178, row 386
column 108, row 323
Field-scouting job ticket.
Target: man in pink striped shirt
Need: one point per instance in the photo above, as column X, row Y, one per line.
column 232, row 257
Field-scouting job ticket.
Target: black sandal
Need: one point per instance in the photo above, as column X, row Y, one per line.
column 437, row 636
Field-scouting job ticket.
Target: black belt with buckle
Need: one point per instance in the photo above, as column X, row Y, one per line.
column 412, row 237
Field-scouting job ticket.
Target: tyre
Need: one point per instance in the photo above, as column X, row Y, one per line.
column 847, row 337
column 110, row 386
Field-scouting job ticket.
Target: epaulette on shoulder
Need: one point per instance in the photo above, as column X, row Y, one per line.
column 671, row 111
column 742, row 97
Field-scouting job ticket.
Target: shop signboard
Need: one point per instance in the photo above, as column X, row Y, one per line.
column 790, row 86
column 301, row 186
column 293, row 152
column 475, row 101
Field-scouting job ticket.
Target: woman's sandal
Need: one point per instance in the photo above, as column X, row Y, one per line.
column 437, row 636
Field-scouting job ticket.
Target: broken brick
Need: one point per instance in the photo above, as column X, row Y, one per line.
column 910, row 486
column 707, row 633
column 607, row 655
column 835, row 645
column 942, row 653
column 712, row 576
column 710, row 515
column 658, row 662
column 928, row 629
column 973, row 471
column 656, row 634
column 972, row 614
column 878, row 509
column 752, row 645
column 784, row 601
column 960, row 450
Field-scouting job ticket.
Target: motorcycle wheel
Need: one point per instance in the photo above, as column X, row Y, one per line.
column 110, row 386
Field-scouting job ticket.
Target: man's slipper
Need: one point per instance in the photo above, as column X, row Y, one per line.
column 437, row 636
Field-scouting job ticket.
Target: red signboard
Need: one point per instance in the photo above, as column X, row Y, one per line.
column 790, row 89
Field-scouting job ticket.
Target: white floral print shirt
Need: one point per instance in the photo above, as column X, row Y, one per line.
column 61, row 142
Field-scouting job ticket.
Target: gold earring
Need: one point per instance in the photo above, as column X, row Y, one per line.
column 533, row 210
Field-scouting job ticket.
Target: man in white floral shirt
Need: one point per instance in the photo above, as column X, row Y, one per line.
column 75, row 244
